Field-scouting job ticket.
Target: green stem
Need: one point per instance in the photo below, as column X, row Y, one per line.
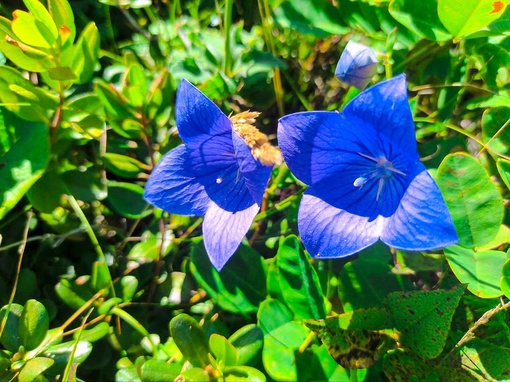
column 286, row 203
column 227, row 24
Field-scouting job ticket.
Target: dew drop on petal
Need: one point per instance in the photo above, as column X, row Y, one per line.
column 219, row 180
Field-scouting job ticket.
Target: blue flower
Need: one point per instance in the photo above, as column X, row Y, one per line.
column 357, row 65
column 221, row 171
column 365, row 176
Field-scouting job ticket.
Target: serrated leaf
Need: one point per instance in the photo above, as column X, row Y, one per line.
column 473, row 200
column 424, row 318
column 477, row 269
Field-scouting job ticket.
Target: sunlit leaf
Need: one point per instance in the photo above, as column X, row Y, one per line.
column 473, row 200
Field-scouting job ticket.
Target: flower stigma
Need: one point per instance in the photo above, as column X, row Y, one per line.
column 383, row 170
column 258, row 142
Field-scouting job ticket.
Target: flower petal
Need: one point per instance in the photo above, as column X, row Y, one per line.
column 318, row 144
column 197, row 116
column 254, row 172
column 422, row 221
column 385, row 107
column 224, row 231
column 357, row 65
column 329, row 232
column 173, row 187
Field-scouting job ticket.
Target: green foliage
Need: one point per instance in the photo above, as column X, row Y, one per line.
column 100, row 285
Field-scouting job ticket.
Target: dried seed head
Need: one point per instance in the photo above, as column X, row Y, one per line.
column 258, row 142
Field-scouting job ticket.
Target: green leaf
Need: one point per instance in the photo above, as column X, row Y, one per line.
column 190, row 339
column 127, row 199
column 494, row 133
column 424, row 318
column 485, row 360
column 23, row 164
column 223, row 350
column 159, row 371
column 420, row 17
column 24, row 56
column 87, row 186
column 63, row 17
column 472, row 16
column 62, row 73
column 504, row 282
column 61, row 353
column 282, row 338
column 93, row 334
column 33, row 325
column 40, row 13
column 299, row 281
column 248, row 341
column 10, row 334
column 122, row 165
column 366, row 281
column 73, row 294
column 353, row 339
column 46, row 194
column 318, row 18
column 473, row 200
column 33, row 368
column 101, row 277
column 86, row 53
column 243, row 374
column 245, row 270
column 504, row 171
column 31, row 31
column 479, row 270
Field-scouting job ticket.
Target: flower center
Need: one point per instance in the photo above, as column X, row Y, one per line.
column 383, row 170
column 258, row 142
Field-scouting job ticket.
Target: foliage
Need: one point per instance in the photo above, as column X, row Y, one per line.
column 99, row 285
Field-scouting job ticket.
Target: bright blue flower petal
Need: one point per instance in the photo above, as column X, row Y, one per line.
column 357, row 65
column 173, row 187
column 315, row 146
column 329, row 232
column 224, row 231
column 255, row 174
column 197, row 117
column 422, row 221
column 385, row 107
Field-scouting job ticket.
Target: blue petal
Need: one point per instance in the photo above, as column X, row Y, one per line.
column 315, row 144
column 173, row 187
column 329, row 232
column 385, row 107
column 197, row 116
column 422, row 221
column 254, row 172
column 215, row 166
column 357, row 65
column 224, row 231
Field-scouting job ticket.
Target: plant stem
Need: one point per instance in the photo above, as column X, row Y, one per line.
column 227, row 25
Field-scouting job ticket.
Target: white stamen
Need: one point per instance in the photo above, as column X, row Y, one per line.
column 369, row 157
column 379, row 189
column 360, row 182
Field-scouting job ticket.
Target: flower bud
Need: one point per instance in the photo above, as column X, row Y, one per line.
column 357, row 65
